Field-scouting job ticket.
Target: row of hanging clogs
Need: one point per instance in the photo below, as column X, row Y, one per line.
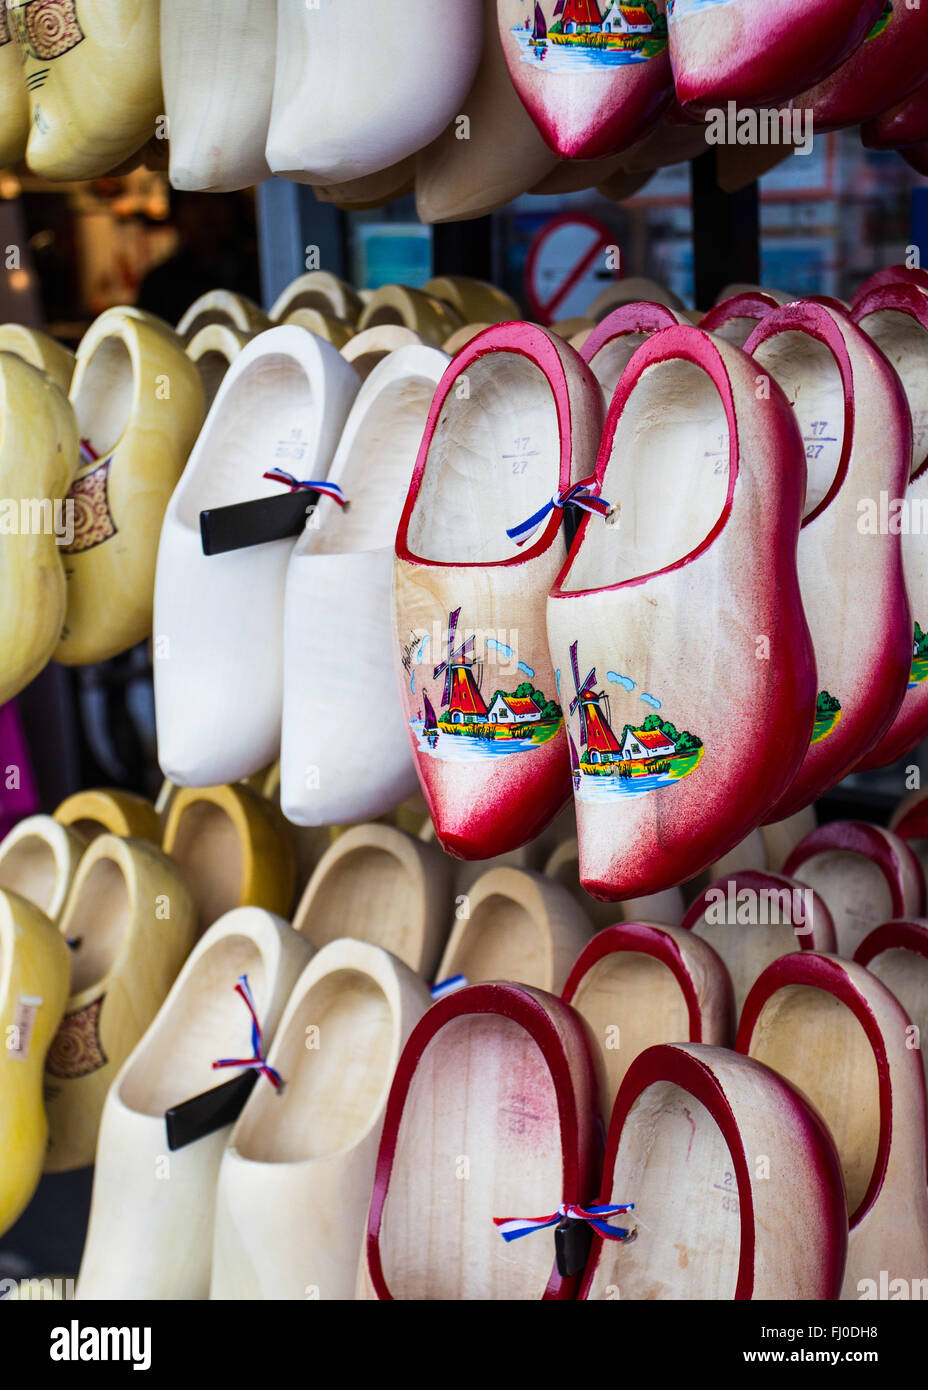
column 499, row 1075
column 587, row 91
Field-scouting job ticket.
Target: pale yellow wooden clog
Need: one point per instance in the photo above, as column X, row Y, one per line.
column 474, row 301
column 214, row 348
column 334, row 330
column 110, row 811
column 38, row 348
column 130, row 921
column 366, row 350
column 399, row 304
column 38, row 860
column 38, row 460
column 93, row 75
column 139, row 405
column 14, row 99
column 222, row 306
column 34, row 968
column 318, row 289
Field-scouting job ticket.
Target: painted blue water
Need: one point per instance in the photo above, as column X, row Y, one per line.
column 562, row 57
column 616, row 788
column 677, row 9
column 463, row 748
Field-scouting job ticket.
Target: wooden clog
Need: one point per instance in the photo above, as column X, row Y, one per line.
column 214, row 348
column 371, row 191
column 896, row 318
column 35, row 347
column 594, row 75
column 751, row 53
column 888, row 66
column 577, row 175
column 637, row 985
column 468, row 171
column 378, row 885
column 833, row 1030
column 655, row 792
column 752, row 918
column 233, row 847
column 339, row 582
column 897, row 954
column 38, row 461
column 736, row 317
column 333, row 330
column 635, row 289
column 910, row 822
column 571, row 328
column 491, row 1116
column 516, row 925
column 474, row 301
column 217, row 138
column 222, row 306
column 892, row 275
column 130, row 921
column 610, row 346
column 865, row 874
column 720, row 1156
column 318, row 289
column 94, row 80
column 295, row 1180
column 151, row 1239
column 460, row 337
column 38, row 860
column 110, row 811
column 398, row 304
column 661, row 909
column 278, row 414
column 33, row 995
column 516, row 420
column 334, row 116
column 366, row 350
column 14, row 97
column 782, row 836
column 139, row 404
column 855, row 422
column 905, row 123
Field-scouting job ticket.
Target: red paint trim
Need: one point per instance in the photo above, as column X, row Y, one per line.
column 902, row 934
column 757, row 880
column 738, row 306
column 644, row 940
column 642, row 316
column 914, row 824
column 899, row 297
column 542, row 310
column 873, row 843
column 827, row 973
column 558, row 1033
column 689, row 344
column 892, row 275
column 815, row 320
column 524, row 340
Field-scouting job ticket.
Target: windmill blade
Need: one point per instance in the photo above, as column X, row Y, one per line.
column 452, row 629
column 575, row 666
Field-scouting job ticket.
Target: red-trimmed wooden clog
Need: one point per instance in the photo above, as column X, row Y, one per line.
column 513, row 426
column 897, row 954
column 892, row 275
column 613, row 342
column 735, row 1181
column 855, row 422
column 754, row 52
column 854, row 1065
column 696, row 466
column 753, row 918
column 896, row 318
column 491, row 1115
column 594, row 75
column 636, row 985
column 910, row 822
column 864, row 873
column 887, row 67
column 736, row 317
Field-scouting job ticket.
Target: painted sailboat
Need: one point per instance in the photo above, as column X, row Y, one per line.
column 539, row 37
column 430, row 723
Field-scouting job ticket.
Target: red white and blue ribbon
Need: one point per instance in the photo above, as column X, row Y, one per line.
column 580, row 495
column 514, row 1227
column 258, row 1062
column 280, row 475
column 449, row 986
column 88, row 452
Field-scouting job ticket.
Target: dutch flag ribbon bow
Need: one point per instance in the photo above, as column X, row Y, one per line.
column 258, row 1062
column 579, row 495
column 514, row 1227
column 280, row 475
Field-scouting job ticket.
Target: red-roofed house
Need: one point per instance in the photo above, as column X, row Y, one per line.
column 647, row 743
column 513, row 709
column 580, row 16
column 626, row 19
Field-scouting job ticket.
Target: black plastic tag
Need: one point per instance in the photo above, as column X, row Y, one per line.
column 201, row 1115
column 255, row 523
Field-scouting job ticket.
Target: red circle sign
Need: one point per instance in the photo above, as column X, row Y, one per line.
column 566, row 266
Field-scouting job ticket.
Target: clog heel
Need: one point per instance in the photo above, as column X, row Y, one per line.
column 38, row 860
column 39, row 350
column 663, row 783
column 610, row 346
column 896, row 953
column 515, row 421
column 110, row 811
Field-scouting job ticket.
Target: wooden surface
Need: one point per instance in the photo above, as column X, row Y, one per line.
column 38, row 348
column 398, row 304
column 897, row 954
column 14, row 99
column 214, row 348
column 318, row 289
column 335, row 331
column 38, row 860
column 222, row 306
column 661, row 909
column 101, row 810
column 881, row 71
column 609, row 347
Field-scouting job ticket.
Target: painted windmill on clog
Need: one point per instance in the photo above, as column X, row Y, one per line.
column 462, row 696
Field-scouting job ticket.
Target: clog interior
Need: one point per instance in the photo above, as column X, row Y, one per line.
column 905, row 342
column 204, row 1022
column 239, row 443
column 206, row 315
column 212, row 367
column 807, row 372
column 856, row 892
column 336, row 1057
column 817, row 1043
column 612, row 359
column 104, row 396
column 90, row 829
column 30, row 869
column 668, row 472
column 736, row 330
column 368, row 894
column 494, row 460
column 207, row 845
column 630, row 1001
column 501, row 940
column 481, row 1104
column 97, row 919
column 747, row 949
column 905, row 974
column 673, row 1162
